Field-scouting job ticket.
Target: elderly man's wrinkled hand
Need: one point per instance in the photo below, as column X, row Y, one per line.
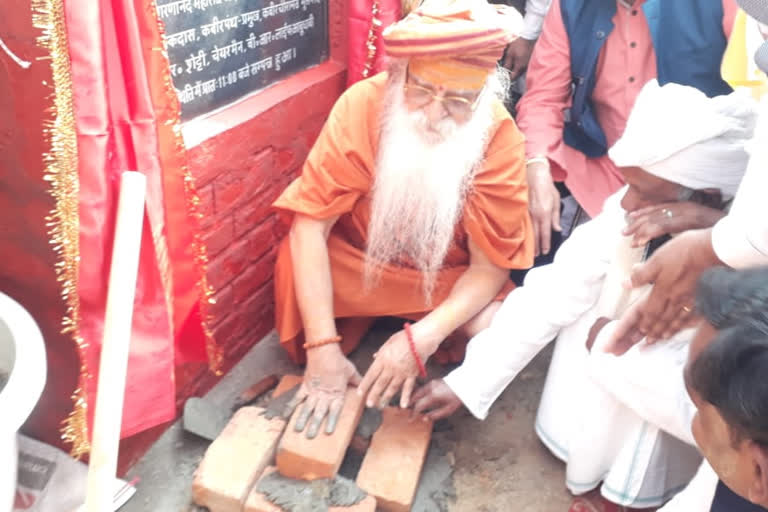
column 326, row 379
column 517, row 56
column 543, row 204
column 654, row 221
column 394, row 368
column 674, row 271
column 435, row 400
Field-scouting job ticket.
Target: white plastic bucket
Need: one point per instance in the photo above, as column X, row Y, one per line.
column 22, row 358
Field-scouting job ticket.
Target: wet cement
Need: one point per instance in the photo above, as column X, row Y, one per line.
column 316, row 496
column 370, row 421
column 275, row 407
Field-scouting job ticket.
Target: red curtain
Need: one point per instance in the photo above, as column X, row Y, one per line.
column 366, row 50
column 127, row 118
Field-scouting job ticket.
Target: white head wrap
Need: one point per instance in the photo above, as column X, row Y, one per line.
column 677, row 133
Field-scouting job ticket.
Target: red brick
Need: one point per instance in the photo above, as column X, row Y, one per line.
column 220, row 235
column 310, row 459
column 207, row 206
column 230, row 330
column 233, row 462
column 262, row 239
column 287, row 383
column 228, row 265
column 257, row 502
column 255, row 217
column 252, row 279
column 233, row 188
column 392, row 466
column 223, row 306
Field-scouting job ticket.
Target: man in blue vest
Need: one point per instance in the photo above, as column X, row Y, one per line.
column 589, row 64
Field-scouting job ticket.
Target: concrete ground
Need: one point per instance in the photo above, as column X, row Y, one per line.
column 498, row 465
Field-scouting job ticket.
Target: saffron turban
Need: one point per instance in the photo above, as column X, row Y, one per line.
column 677, row 133
column 454, row 43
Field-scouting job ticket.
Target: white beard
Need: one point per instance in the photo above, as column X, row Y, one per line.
column 422, row 179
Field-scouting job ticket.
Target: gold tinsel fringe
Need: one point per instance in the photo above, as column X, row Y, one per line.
column 63, row 222
column 200, row 250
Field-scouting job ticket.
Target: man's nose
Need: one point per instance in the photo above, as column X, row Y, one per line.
column 434, row 111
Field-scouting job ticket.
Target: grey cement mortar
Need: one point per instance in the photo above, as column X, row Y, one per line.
column 370, row 422
column 316, row 496
column 275, row 407
column 436, row 490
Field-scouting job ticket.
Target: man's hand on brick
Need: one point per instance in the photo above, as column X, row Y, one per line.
column 326, row 379
column 435, row 400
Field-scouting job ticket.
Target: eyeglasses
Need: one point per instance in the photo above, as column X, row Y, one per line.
column 419, row 96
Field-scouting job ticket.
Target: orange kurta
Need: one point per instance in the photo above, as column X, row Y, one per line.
column 337, row 179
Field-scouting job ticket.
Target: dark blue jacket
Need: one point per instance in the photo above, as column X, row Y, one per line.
column 688, row 40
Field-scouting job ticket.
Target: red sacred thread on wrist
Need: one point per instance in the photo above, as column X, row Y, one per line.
column 419, row 362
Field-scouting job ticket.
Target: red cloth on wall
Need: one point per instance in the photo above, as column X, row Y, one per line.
column 123, row 118
column 359, row 26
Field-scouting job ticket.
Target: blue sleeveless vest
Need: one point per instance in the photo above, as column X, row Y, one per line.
column 688, row 40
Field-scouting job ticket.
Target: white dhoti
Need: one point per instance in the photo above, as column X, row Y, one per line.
column 620, row 421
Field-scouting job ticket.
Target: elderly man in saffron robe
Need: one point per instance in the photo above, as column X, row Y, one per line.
column 621, row 424
column 412, row 203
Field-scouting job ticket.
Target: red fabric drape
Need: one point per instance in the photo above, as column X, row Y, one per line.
column 123, row 123
column 359, row 26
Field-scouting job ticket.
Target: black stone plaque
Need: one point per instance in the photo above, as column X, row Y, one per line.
column 222, row 50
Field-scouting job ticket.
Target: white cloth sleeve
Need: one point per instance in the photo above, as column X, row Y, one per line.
column 553, row 296
column 740, row 240
column 535, row 10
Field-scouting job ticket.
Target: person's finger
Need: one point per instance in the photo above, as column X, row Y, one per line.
column 304, row 414
column 645, row 273
column 333, row 414
column 555, row 213
column 405, row 395
column 294, row 402
column 424, row 402
column 516, row 69
column 536, row 231
column 646, row 210
column 378, row 388
column 355, row 379
column 321, row 409
column 442, row 412
column 625, row 330
column 545, row 235
column 677, row 325
column 655, row 317
column 394, row 386
column 633, row 226
column 626, row 342
column 509, row 59
column 369, row 378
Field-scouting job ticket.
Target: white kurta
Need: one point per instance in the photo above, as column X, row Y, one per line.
column 612, row 420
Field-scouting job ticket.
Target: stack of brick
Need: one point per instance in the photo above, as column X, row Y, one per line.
column 251, row 447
